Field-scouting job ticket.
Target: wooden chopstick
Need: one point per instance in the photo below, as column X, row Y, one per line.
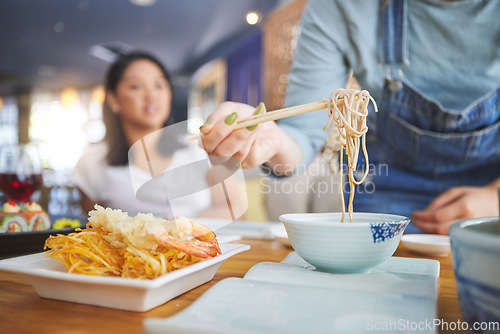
column 274, row 115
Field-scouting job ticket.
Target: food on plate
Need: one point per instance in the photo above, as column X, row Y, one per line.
column 61, row 223
column 36, row 217
column 12, row 219
column 30, row 218
column 115, row 244
column 347, row 109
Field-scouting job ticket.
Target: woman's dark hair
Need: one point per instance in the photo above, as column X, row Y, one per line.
column 115, row 136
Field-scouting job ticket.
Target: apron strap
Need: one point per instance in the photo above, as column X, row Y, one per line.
column 394, row 46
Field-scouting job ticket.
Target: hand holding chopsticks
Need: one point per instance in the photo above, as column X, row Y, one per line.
column 274, row 115
column 223, row 133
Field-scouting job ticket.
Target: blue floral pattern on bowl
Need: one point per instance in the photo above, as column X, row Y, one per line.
column 382, row 231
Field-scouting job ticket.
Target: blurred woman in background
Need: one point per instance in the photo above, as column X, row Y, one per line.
column 139, row 101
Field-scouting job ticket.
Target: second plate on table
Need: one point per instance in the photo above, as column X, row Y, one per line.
column 427, row 244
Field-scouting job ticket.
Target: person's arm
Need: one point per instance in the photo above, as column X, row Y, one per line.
column 318, row 68
column 456, row 204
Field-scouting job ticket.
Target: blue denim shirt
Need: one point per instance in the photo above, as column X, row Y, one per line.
column 453, row 49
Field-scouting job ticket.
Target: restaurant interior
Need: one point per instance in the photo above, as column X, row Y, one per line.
column 274, row 270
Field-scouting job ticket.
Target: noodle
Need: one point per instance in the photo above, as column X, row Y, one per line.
column 115, row 244
column 347, row 109
column 88, row 252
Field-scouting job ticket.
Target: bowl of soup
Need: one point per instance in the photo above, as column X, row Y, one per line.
column 344, row 247
column 475, row 249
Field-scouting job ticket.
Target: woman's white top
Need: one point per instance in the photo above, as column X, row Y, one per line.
column 117, row 186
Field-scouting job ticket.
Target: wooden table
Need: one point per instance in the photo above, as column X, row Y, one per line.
column 22, row 311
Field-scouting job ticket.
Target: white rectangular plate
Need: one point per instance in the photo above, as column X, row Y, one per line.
column 51, row 280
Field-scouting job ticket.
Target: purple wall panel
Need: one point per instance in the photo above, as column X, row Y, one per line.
column 244, row 72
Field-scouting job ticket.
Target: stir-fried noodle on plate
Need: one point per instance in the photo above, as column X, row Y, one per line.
column 114, row 244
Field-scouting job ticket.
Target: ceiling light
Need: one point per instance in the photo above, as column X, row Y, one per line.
column 69, row 96
column 47, row 71
column 143, row 3
column 84, row 5
column 252, row 18
column 59, row 27
column 110, row 51
column 98, row 94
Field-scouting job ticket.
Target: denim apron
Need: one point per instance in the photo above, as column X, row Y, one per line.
column 420, row 149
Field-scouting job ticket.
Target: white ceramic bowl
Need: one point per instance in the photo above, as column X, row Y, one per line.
column 475, row 249
column 331, row 246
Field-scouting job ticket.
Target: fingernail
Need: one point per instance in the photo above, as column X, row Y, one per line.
column 207, row 123
column 261, row 108
column 231, row 118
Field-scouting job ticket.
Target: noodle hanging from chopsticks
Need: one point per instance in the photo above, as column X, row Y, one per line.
column 347, row 109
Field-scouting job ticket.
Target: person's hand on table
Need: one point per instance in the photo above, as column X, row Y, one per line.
column 251, row 146
column 456, row 204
